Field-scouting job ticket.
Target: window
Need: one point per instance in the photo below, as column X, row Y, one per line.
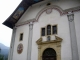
column 21, row 36
column 49, row 30
column 54, row 29
column 43, row 32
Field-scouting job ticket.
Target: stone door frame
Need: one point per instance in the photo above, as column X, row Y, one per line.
column 54, row 44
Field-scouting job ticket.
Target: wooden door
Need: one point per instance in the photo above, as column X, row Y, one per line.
column 49, row 54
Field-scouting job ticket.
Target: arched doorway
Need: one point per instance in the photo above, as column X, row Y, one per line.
column 49, row 54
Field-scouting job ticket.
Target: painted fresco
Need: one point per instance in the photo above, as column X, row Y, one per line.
column 18, row 13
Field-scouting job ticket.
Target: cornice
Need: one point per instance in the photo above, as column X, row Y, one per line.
column 74, row 9
column 58, row 39
column 26, row 22
column 60, row 10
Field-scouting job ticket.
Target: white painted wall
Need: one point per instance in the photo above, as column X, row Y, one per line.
column 45, row 19
column 77, row 28
column 35, row 9
column 63, row 32
column 25, row 30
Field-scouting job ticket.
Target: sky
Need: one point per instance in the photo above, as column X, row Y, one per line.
column 6, row 9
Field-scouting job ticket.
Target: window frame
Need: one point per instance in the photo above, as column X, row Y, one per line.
column 21, row 37
column 51, row 30
column 56, row 27
column 46, row 30
column 41, row 31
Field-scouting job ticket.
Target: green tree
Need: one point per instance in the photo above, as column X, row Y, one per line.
column 1, row 57
column 0, row 50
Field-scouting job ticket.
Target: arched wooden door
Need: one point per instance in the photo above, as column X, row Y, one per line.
column 49, row 54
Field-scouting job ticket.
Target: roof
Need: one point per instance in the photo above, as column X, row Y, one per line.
column 19, row 11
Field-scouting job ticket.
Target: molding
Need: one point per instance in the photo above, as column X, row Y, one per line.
column 48, row 11
column 54, row 44
column 74, row 9
column 39, row 41
column 26, row 22
column 60, row 10
column 70, row 16
column 58, row 39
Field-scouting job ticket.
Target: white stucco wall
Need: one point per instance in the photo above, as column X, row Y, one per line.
column 77, row 28
column 45, row 19
column 25, row 30
column 63, row 32
column 35, row 9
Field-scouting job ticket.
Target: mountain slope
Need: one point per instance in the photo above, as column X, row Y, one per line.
column 4, row 49
column 2, row 46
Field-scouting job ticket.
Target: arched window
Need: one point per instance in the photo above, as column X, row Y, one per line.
column 49, row 54
column 49, row 30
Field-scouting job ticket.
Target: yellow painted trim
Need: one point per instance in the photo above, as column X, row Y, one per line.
column 54, row 44
column 51, row 30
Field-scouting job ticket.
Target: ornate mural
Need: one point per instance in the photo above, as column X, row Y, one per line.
column 18, row 13
column 20, row 48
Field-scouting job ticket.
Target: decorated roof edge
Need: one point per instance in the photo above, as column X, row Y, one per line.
column 18, row 12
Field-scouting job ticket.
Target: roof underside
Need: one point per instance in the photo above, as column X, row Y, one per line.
column 19, row 11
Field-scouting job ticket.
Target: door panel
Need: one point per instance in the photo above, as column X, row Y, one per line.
column 49, row 54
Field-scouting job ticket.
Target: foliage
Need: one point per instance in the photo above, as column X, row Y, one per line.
column 1, row 57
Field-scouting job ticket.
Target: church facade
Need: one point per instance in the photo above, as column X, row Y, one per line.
column 46, row 30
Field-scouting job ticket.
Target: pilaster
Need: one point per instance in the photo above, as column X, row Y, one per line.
column 10, row 56
column 73, row 39
column 30, row 41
